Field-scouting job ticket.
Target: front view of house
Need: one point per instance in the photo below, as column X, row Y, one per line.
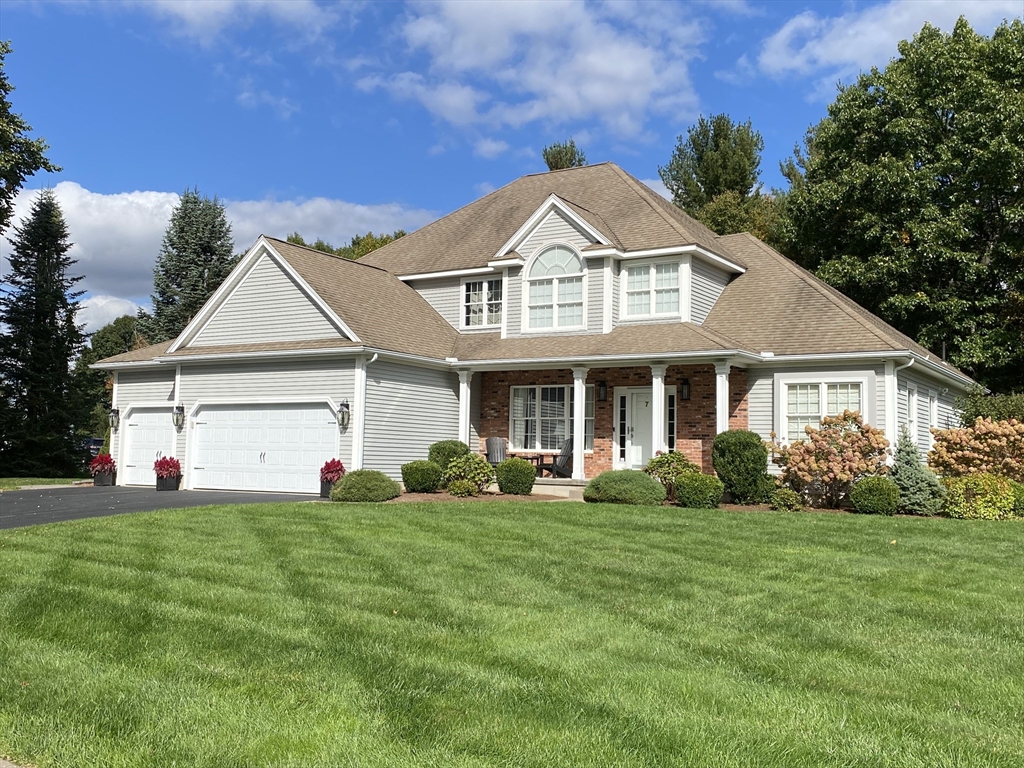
column 573, row 307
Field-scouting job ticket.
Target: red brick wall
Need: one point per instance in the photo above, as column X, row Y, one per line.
column 695, row 418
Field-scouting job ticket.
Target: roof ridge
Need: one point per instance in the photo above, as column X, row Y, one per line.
column 637, row 188
column 598, row 216
column 562, row 170
column 710, row 335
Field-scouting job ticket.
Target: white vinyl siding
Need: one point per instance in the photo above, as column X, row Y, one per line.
column 444, row 295
column 514, row 301
column 707, row 284
column 144, row 386
column 595, row 295
column 407, row 409
column 615, row 292
column 919, row 420
column 266, row 306
column 554, row 228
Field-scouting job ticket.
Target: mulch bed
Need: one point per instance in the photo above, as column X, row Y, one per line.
column 445, row 496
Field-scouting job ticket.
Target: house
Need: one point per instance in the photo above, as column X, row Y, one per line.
column 572, row 304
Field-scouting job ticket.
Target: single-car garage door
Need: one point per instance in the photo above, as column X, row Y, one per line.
column 263, row 447
column 148, row 434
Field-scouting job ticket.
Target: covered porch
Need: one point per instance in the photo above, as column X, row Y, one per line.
column 617, row 417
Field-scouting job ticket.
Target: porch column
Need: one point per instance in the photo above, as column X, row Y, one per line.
column 657, row 408
column 465, row 379
column 721, row 397
column 579, row 411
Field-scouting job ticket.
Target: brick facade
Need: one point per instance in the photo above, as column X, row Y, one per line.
column 695, row 419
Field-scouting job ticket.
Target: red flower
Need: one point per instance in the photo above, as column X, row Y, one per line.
column 103, row 464
column 167, row 466
column 332, row 471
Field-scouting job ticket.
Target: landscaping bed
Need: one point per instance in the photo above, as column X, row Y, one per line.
column 485, row 496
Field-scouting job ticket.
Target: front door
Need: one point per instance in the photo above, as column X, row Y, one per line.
column 638, row 441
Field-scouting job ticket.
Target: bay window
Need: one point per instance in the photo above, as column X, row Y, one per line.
column 542, row 418
column 481, row 304
column 555, row 293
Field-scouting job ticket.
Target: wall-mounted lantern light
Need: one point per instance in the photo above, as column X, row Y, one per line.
column 602, row 391
column 344, row 414
column 114, row 418
column 178, row 416
column 684, row 389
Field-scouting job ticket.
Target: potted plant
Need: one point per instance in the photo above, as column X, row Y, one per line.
column 103, row 469
column 168, row 473
column 330, row 473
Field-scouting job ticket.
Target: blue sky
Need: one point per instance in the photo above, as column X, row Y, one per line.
column 333, row 119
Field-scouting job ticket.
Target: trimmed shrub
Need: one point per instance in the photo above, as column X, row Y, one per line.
column 365, row 485
column 699, row 491
column 740, row 459
column 624, row 486
column 516, row 476
column 982, row 496
column 667, row 468
column 921, row 493
column 787, row 500
column 472, row 467
column 1018, row 498
column 421, row 477
column 463, row 488
column 441, row 453
column 985, row 446
column 875, row 496
column 767, row 486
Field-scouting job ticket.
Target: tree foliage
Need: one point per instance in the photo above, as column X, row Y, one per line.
column 921, row 493
column 565, row 154
column 95, row 387
column 20, row 156
column 195, row 257
column 909, row 196
column 38, row 307
column 976, row 404
column 359, row 246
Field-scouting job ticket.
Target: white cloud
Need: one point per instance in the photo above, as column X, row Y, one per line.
column 251, row 98
column 116, row 238
column 838, row 47
column 484, row 188
column 96, row 311
column 489, row 148
column 449, row 100
column 658, row 186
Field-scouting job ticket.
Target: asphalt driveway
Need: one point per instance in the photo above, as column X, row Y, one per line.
column 53, row 505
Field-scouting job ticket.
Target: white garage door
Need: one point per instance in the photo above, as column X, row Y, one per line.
column 148, row 434
column 263, row 447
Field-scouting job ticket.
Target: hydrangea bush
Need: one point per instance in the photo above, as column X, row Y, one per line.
column 995, row 447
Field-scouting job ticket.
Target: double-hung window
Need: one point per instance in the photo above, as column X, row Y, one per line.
column 481, row 304
column 555, row 292
column 542, row 418
column 652, row 289
column 807, row 403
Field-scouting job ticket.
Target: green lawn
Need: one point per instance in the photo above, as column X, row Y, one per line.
column 504, row 634
column 12, row 483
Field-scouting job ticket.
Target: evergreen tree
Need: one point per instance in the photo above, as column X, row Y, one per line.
column 195, row 257
column 95, row 387
column 562, row 155
column 38, row 306
column 921, row 493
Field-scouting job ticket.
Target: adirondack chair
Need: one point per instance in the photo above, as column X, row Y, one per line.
column 495, row 450
column 560, row 466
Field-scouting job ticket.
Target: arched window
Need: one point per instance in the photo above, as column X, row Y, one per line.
column 556, row 289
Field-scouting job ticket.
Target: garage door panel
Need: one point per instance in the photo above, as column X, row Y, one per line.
column 148, row 435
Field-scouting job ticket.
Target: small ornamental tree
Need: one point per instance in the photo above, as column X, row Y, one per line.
column 824, row 467
column 921, row 493
column 990, row 446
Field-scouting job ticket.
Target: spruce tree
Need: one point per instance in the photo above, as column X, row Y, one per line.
column 562, row 155
column 921, row 493
column 38, row 307
column 195, row 257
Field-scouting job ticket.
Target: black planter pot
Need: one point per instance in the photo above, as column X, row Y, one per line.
column 103, row 479
column 325, row 489
column 168, row 483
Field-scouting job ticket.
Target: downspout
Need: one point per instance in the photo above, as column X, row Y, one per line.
column 892, row 401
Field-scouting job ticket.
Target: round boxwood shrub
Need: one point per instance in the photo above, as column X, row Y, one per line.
column 787, row 500
column 421, row 477
column 441, row 453
column 740, row 459
column 365, row 485
column 981, row 496
column 472, row 467
column 625, row 486
column 875, row 496
column 516, row 476
column 667, row 468
column 699, row 491
column 463, row 488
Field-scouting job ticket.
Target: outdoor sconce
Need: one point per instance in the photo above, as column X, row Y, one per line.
column 684, row 389
column 114, row 418
column 344, row 414
column 602, row 390
column 178, row 416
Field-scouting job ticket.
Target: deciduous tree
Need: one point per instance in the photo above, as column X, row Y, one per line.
column 359, row 246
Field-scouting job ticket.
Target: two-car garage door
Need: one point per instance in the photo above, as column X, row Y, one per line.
column 263, row 447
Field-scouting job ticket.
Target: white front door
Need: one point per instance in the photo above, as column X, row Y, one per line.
column 638, row 441
column 263, row 447
column 148, row 435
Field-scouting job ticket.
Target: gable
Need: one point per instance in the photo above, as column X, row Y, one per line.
column 266, row 306
column 555, row 227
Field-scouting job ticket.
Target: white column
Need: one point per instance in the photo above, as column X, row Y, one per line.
column 657, row 408
column 579, row 410
column 721, row 397
column 465, row 393
column 358, row 417
column 891, row 411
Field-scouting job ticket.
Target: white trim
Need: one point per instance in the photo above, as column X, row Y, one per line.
column 465, row 399
column 933, row 416
column 607, row 321
column 525, row 280
column 504, row 263
column 686, row 288
column 614, row 394
column 446, row 273
column 359, row 417
column 462, row 303
column 553, row 202
column 504, row 295
column 868, row 395
column 652, row 266
column 177, row 384
column 570, row 393
column 895, row 354
column 672, row 250
column 123, row 431
column 658, row 415
column 912, row 402
column 722, row 370
column 891, row 403
column 579, row 423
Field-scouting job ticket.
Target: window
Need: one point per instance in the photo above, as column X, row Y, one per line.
column 482, row 303
column 652, row 289
column 912, row 412
column 804, row 405
column 933, row 417
column 542, row 418
column 555, row 296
